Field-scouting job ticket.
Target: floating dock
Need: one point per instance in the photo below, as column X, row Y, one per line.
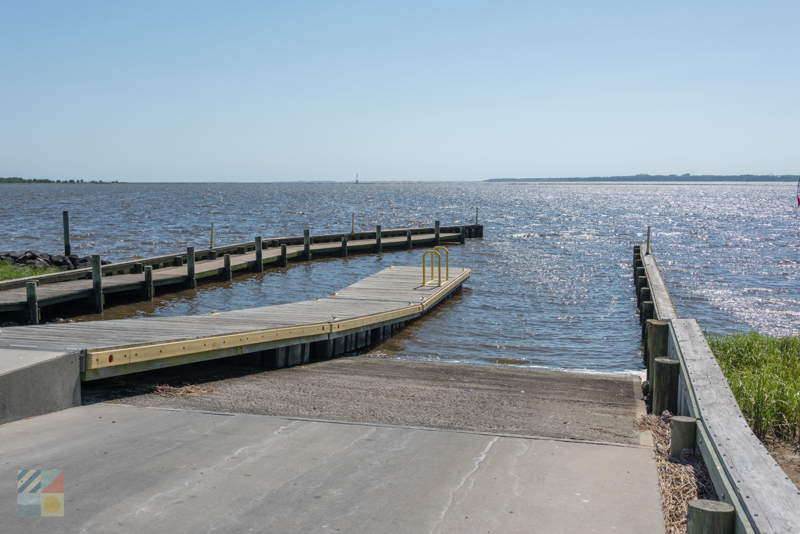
column 57, row 357
column 138, row 279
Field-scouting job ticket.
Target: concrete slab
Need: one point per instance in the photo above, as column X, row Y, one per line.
column 131, row 469
column 35, row 381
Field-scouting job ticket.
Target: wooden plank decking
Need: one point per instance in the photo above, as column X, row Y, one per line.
column 48, row 294
column 383, row 300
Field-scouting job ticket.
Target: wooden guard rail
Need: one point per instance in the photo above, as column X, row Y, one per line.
column 743, row 472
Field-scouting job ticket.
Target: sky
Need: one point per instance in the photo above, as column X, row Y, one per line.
column 321, row 90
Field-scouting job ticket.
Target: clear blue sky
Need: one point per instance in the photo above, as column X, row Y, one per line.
column 322, row 90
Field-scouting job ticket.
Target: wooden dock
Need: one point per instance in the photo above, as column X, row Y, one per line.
column 138, row 279
column 274, row 336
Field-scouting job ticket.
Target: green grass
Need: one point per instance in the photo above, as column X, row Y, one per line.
column 10, row 272
column 764, row 374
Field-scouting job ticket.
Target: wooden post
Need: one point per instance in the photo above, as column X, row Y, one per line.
column 138, row 268
column 67, row 245
column 148, row 283
column 476, row 216
column 710, row 517
column 241, row 250
column 97, row 283
column 409, row 244
column 644, row 294
column 259, row 255
column 648, row 241
column 463, row 237
column 178, row 261
column 212, row 236
column 33, row 302
column 227, row 274
column 436, row 234
column 353, row 226
column 378, row 246
column 683, row 435
column 306, row 245
column 657, row 343
column 665, row 385
column 344, row 246
column 284, row 261
column 191, row 275
column 648, row 311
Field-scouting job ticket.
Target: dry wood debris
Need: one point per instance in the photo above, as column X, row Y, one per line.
column 680, row 480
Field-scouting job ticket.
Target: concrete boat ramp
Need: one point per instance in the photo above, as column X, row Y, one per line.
column 162, row 469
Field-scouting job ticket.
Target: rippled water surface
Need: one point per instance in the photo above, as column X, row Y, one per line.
column 551, row 284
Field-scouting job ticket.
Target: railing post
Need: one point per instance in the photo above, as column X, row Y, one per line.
column 67, row 245
column 378, row 246
column 227, row 273
column 259, row 255
column 33, row 301
column 284, row 260
column 148, row 282
column 344, row 246
column 409, row 244
column 97, row 283
column 191, row 275
column 306, row 245
column 436, row 234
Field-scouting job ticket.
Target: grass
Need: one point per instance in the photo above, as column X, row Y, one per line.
column 9, row 271
column 764, row 374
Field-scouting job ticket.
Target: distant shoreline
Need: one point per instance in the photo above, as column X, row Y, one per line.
column 660, row 178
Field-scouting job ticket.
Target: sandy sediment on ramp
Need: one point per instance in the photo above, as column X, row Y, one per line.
column 502, row 400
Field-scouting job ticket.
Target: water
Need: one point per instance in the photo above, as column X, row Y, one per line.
column 551, row 283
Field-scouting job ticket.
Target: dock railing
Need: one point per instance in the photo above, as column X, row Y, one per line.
column 743, row 472
column 180, row 258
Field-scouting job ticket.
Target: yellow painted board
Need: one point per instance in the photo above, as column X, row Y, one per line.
column 143, row 353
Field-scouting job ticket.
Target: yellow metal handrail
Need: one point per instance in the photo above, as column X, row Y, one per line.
column 446, row 262
column 435, row 250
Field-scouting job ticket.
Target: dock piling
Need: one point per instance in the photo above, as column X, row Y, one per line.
column 665, row 385
column 191, row 275
column 378, row 247
column 344, row 246
column 212, row 236
column 656, row 342
column 227, row 274
column 97, row 283
column 67, row 246
column 259, row 255
column 476, row 216
column 138, row 268
column 463, row 236
column 436, row 242
column 33, row 301
column 710, row 517
column 683, row 435
column 409, row 244
column 306, row 245
column 284, row 262
column 148, row 283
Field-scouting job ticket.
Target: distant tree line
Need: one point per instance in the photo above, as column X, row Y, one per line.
column 662, row 178
column 18, row 180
